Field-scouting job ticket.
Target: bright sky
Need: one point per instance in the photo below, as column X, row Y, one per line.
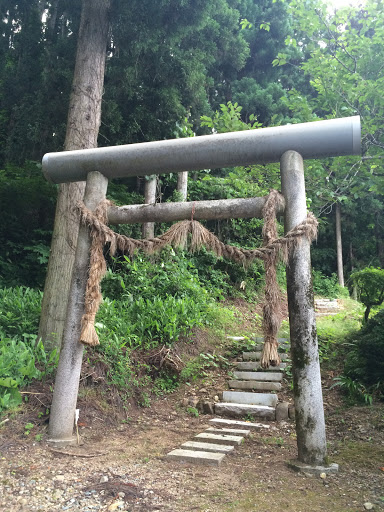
column 344, row 3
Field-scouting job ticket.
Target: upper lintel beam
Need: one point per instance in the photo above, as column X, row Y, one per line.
column 320, row 139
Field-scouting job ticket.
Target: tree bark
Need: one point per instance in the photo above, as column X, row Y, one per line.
column 149, row 198
column 203, row 210
column 351, row 257
column 182, row 185
column 83, row 124
column 340, row 273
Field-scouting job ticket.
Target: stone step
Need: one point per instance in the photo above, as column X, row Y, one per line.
column 280, row 341
column 207, row 447
column 257, row 386
column 259, row 376
column 236, row 410
column 255, row 356
column 281, row 350
column 236, row 423
column 196, row 457
column 219, row 438
column 254, row 365
column 233, row 431
column 242, row 397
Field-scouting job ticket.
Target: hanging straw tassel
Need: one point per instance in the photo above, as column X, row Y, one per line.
column 97, row 269
column 88, row 334
column 271, row 309
column 270, row 355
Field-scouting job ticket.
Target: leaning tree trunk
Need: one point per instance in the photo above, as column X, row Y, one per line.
column 340, row 273
column 83, row 124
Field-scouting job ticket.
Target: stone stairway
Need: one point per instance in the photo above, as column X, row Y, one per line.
column 326, row 307
column 252, row 394
column 252, row 389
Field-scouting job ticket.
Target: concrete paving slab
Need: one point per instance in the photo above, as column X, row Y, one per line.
column 196, row 457
column 230, row 431
column 241, row 410
column 242, row 397
column 207, row 447
column 219, row 438
column 257, row 386
column 236, row 423
column 259, row 376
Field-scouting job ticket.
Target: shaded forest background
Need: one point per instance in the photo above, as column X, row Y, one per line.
column 168, row 65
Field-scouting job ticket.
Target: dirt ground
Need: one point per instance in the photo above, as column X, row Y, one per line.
column 128, row 469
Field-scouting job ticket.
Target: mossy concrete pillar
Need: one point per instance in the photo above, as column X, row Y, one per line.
column 309, row 411
column 62, row 416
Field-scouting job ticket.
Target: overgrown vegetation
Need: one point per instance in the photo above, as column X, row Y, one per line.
column 364, row 362
column 22, row 357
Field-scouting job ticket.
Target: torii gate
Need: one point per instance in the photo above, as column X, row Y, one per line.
column 288, row 144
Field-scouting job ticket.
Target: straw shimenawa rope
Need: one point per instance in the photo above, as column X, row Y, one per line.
column 193, row 234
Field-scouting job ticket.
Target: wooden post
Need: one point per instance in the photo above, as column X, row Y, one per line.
column 64, row 400
column 182, row 185
column 309, row 411
column 149, row 198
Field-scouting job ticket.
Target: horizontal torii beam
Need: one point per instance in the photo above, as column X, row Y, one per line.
column 320, row 139
column 199, row 210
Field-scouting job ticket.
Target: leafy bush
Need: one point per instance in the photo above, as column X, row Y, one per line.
column 370, row 285
column 365, row 359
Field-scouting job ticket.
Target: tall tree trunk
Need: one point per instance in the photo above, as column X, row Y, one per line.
column 340, row 273
column 149, row 198
column 182, row 185
column 83, row 124
column 351, row 257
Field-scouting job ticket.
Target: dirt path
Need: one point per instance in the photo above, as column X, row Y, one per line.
column 130, row 471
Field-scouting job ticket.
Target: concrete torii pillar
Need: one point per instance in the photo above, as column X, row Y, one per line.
column 309, row 410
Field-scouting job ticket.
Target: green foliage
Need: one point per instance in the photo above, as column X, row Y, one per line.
column 365, row 357
column 355, row 390
column 199, row 367
column 192, row 411
column 370, row 284
column 22, row 357
column 327, row 286
column 165, row 383
column 19, row 365
column 333, row 330
column 27, row 203
column 19, row 311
